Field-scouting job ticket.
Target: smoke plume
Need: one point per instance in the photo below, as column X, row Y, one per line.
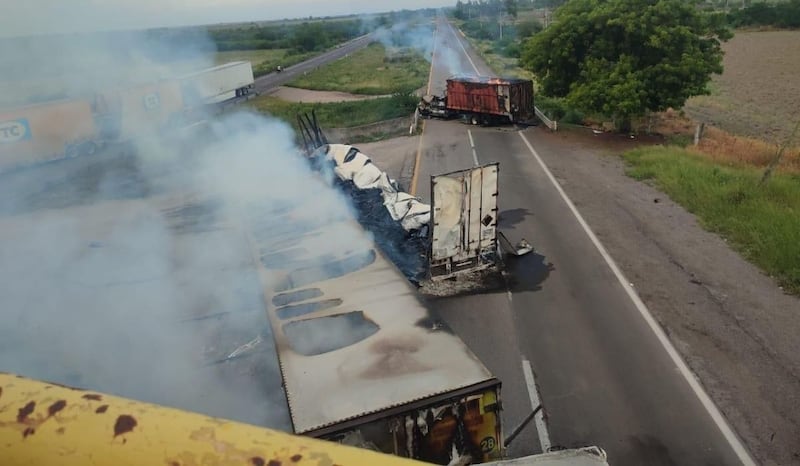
column 131, row 271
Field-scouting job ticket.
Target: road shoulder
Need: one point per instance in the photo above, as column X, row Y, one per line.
column 732, row 324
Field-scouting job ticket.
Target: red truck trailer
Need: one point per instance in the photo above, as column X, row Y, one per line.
column 482, row 100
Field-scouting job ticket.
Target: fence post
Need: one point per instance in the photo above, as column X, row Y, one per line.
column 698, row 133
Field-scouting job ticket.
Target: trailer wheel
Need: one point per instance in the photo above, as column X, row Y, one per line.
column 474, row 120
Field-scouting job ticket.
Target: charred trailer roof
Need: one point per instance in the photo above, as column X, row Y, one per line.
column 491, row 97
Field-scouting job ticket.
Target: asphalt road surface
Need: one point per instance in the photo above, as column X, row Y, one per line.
column 606, row 374
column 272, row 80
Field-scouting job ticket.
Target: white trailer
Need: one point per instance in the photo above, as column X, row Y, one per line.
column 217, row 84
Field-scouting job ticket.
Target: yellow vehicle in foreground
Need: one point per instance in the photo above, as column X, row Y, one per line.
column 44, row 423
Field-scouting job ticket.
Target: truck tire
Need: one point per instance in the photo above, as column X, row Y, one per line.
column 474, row 120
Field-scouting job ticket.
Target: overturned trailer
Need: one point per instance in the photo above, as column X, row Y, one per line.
column 363, row 361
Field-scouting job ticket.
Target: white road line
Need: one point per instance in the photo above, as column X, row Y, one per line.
column 472, row 144
column 464, row 49
column 538, row 419
column 708, row 404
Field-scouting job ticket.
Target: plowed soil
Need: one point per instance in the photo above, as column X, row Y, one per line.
column 758, row 94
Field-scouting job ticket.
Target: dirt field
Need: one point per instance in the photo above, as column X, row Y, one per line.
column 758, row 94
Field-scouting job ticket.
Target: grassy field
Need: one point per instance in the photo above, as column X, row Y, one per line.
column 264, row 60
column 373, row 70
column 761, row 221
column 254, row 56
column 340, row 114
column 502, row 65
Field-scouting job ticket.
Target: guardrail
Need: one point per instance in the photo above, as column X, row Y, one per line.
column 552, row 124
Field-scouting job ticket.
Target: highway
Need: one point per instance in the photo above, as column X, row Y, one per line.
column 268, row 82
column 606, row 373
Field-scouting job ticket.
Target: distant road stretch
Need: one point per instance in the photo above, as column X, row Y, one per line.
column 270, row 81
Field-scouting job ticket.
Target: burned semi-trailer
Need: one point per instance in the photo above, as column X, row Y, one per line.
column 83, row 124
column 482, row 100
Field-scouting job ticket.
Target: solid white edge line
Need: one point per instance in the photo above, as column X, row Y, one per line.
column 472, row 145
column 464, row 49
column 533, row 393
column 738, row 448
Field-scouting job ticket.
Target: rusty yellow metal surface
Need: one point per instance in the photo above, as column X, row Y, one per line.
column 42, row 423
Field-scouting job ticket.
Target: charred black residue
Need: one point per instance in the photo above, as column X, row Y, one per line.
column 433, row 324
column 395, row 356
column 25, row 411
column 327, row 270
column 93, row 397
column 101, row 409
column 195, row 217
column 29, row 431
column 282, row 257
column 125, row 423
column 319, row 335
column 257, row 461
column 295, row 296
column 56, row 407
column 297, row 310
column 296, row 458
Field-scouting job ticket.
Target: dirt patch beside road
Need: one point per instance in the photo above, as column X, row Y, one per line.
column 733, row 325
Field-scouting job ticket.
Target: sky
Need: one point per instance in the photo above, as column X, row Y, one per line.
column 26, row 17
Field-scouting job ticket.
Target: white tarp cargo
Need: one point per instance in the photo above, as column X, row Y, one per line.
column 353, row 165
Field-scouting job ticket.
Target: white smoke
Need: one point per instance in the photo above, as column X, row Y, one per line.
column 130, row 272
column 421, row 34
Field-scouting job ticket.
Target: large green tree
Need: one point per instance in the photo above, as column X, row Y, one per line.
column 622, row 58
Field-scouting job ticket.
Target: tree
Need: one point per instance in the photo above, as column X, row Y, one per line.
column 623, row 58
column 461, row 11
column 528, row 28
column 511, row 7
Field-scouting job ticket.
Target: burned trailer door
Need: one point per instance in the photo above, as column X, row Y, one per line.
column 521, row 100
column 462, row 424
column 464, row 226
column 468, row 428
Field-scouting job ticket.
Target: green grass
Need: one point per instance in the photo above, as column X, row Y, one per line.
column 264, row 60
column 254, row 56
column 340, row 114
column 761, row 222
column 508, row 67
column 373, row 70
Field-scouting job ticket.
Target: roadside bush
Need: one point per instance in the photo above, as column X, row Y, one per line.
column 782, row 15
column 528, row 28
